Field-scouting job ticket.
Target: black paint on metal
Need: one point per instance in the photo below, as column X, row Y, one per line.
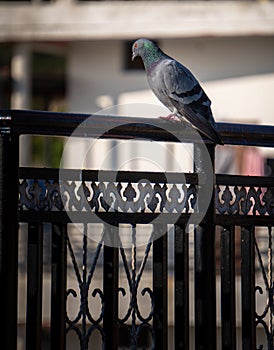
column 181, row 307
column 64, row 124
column 204, row 265
column 228, row 293
column 9, row 159
column 248, row 202
column 58, row 286
column 160, row 288
column 110, row 286
column 34, row 286
column 248, row 287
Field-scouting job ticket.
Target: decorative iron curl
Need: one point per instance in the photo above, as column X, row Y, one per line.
column 243, row 200
column 133, row 280
column 89, row 324
column 268, row 312
column 49, row 195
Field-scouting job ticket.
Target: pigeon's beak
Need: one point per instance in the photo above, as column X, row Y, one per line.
column 133, row 56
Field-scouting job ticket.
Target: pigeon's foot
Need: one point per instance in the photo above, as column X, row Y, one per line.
column 171, row 117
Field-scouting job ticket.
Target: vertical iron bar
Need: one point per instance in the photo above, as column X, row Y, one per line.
column 84, row 290
column 58, row 286
column 228, row 306
column 9, row 162
column 111, row 265
column 248, row 288
column 34, row 286
column 270, row 290
column 204, row 247
column 181, row 309
column 160, row 288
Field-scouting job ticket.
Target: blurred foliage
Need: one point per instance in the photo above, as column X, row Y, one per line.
column 47, row 151
column 5, row 78
column 48, row 93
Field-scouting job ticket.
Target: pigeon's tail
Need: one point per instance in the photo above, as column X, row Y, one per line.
column 217, row 138
column 207, row 129
column 211, row 132
column 203, row 125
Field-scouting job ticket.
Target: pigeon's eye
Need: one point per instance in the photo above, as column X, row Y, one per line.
column 135, row 46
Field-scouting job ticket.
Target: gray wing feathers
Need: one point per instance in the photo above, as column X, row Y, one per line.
column 190, row 100
column 181, row 83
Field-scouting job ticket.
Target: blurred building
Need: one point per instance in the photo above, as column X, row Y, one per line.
column 76, row 56
column 227, row 44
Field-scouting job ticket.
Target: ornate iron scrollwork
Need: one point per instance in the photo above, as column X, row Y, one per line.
column 40, row 195
column 242, row 200
column 48, row 195
column 84, row 276
column 138, row 321
column 84, row 324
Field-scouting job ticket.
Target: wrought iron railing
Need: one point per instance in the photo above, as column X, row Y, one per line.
column 129, row 289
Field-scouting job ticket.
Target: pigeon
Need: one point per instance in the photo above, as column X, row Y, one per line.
column 177, row 88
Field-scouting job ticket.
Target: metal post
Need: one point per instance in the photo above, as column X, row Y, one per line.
column 110, row 282
column 228, row 303
column 8, row 233
column 181, row 311
column 34, row 287
column 160, row 324
column 248, row 287
column 58, row 286
column 205, row 281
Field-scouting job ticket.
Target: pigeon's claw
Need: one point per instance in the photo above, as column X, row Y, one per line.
column 171, row 117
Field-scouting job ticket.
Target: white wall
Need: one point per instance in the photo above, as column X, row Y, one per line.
column 95, row 68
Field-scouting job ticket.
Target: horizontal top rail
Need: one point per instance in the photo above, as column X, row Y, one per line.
column 116, row 127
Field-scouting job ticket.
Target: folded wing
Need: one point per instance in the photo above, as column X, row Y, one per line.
column 190, row 100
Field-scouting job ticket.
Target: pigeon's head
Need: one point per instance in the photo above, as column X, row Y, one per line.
column 143, row 47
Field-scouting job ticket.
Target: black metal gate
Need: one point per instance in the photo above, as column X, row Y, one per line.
column 240, row 209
